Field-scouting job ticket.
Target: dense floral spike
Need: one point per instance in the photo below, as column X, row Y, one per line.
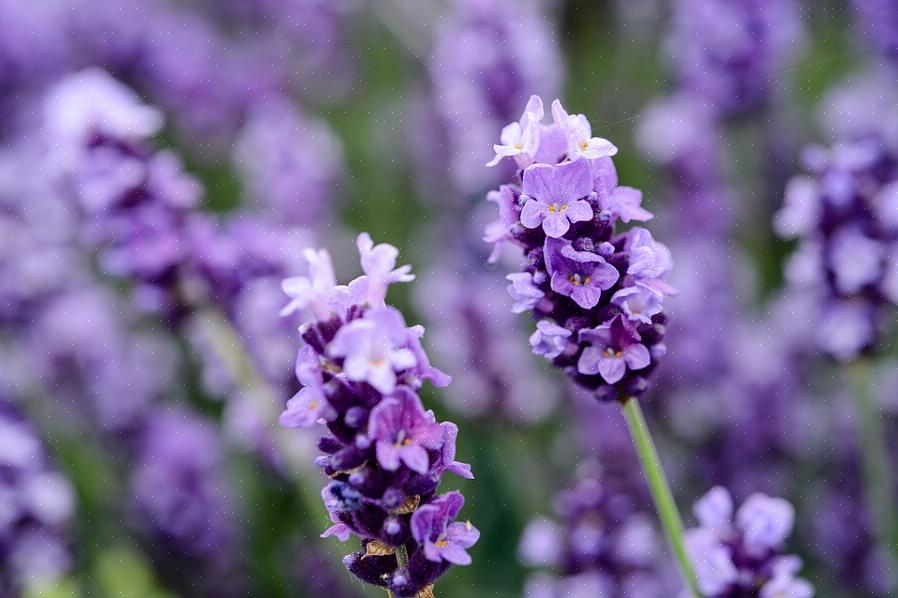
column 729, row 51
column 844, row 215
column 597, row 294
column 489, row 56
column 360, row 367
column 36, row 502
column 603, row 545
column 178, row 494
column 744, row 558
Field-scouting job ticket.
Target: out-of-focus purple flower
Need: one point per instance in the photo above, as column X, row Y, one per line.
column 36, row 504
column 728, row 52
column 178, row 491
column 489, row 57
column 580, row 274
column 843, row 216
column 549, row 340
column 602, row 545
column 289, row 161
column 879, row 23
column 473, row 333
column 745, row 555
column 361, row 368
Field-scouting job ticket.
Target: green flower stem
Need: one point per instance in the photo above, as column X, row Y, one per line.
column 664, row 501
column 401, row 556
column 878, row 481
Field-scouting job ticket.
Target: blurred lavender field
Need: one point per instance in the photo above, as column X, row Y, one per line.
column 196, row 401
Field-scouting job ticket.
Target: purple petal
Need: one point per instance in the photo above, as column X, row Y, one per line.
column 423, row 523
column 612, row 369
column 463, row 534
column 456, row 555
column 555, row 225
column 541, row 182
column 586, row 296
column 589, row 361
column 637, row 356
column 604, row 276
column 388, row 455
column 533, row 213
column 412, row 455
column 579, row 211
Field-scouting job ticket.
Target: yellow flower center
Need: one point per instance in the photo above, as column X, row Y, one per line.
column 609, row 352
column 442, row 543
column 313, row 405
column 584, row 145
column 577, row 281
column 554, row 209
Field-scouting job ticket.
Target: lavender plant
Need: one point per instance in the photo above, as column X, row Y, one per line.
column 745, row 558
column 597, row 294
column 360, row 368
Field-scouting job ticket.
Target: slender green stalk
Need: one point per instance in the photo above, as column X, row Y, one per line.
column 879, row 483
column 664, row 501
column 401, row 556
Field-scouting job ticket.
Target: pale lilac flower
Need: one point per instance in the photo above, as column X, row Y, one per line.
column 648, row 258
column 442, row 540
column 613, row 349
column 580, row 275
column 624, row 203
column 498, row 232
column 524, row 292
column 639, row 302
column 521, row 139
column 379, row 265
column 555, row 196
column 309, row 405
column 578, row 133
column 404, row 432
column 549, row 339
column 319, row 292
column 374, row 348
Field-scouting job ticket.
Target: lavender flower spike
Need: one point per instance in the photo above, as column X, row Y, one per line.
column 360, row 368
column 745, row 557
column 596, row 293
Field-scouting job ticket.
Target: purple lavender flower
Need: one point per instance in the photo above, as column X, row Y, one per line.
column 843, row 216
column 727, row 52
column 605, row 288
column 36, row 504
column 403, row 432
column 361, row 367
column 744, row 557
column 554, row 197
column 580, row 275
column 444, row 539
column 178, row 490
column 602, row 544
column 488, row 58
column 613, row 348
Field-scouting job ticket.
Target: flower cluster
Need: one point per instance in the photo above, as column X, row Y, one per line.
column 604, row 544
column 597, row 294
column 360, row 367
column 744, row 558
column 879, row 24
column 36, row 503
column 728, row 51
column 178, row 493
column 844, row 214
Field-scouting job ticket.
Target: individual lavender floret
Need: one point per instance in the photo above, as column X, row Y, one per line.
column 178, row 492
column 36, row 503
column 606, row 288
column 360, row 368
column 729, row 51
column 603, row 544
column 844, row 215
column 744, row 558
